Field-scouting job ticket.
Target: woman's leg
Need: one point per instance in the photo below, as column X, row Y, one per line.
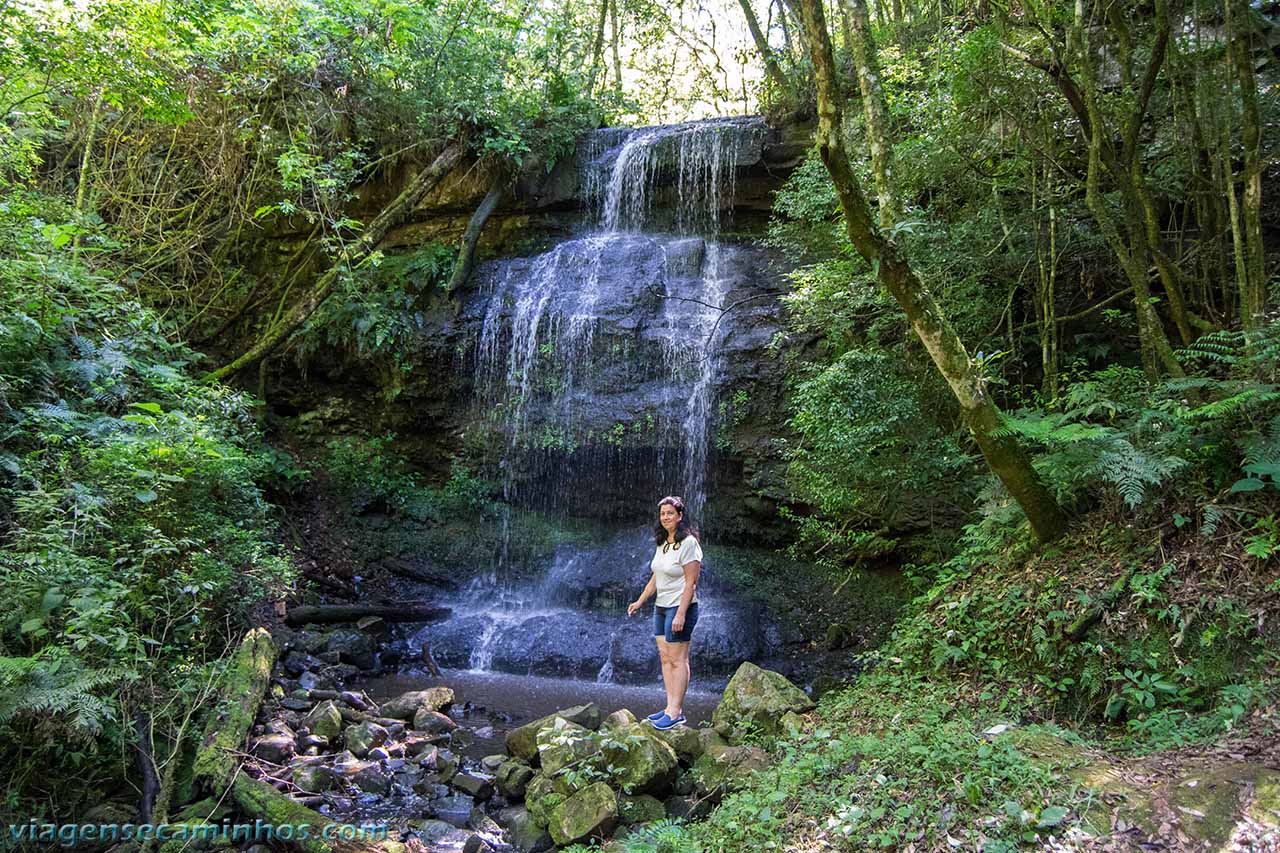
column 679, row 679
column 668, row 673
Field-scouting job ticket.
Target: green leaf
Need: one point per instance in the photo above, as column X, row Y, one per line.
column 1248, row 484
column 1052, row 816
column 145, row 497
column 153, row 408
column 30, row 625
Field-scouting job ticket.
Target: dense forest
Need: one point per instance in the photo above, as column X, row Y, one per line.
column 347, row 346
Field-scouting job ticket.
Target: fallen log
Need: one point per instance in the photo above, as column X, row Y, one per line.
column 325, row 614
column 405, row 569
column 217, row 765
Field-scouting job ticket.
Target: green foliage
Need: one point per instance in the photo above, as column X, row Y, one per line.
column 896, row 760
column 133, row 527
column 868, row 452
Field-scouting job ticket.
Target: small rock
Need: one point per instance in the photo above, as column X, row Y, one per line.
column 276, row 748
column 618, row 719
column 324, row 720
column 313, row 741
column 491, row 763
column 296, row 663
column 362, row 737
column 309, row 680
column 640, row 809
column 293, row 704
column 477, row 786
column 455, row 809
column 433, row 722
column 377, row 753
column 370, row 778
column 476, row 844
column 315, row 778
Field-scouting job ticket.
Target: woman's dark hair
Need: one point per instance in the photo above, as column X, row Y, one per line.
column 684, row 527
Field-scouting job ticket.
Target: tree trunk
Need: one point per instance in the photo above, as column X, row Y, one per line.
column 771, row 67
column 617, row 60
column 1006, row 459
column 1253, row 298
column 597, row 52
column 86, row 163
column 467, row 248
column 367, row 243
column 874, row 108
column 327, row 614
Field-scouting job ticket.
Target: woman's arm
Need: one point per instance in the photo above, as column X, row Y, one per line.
column 649, row 589
column 691, row 571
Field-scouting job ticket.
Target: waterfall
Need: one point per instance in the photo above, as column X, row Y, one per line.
column 594, row 369
column 542, row 362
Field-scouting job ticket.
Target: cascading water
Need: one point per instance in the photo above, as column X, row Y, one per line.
column 595, row 365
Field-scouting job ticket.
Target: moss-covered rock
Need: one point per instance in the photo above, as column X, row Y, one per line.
column 756, row 699
column 523, row 833
column 562, row 743
column 541, row 796
column 324, row 720
column 513, row 779
column 640, row 761
column 362, row 737
column 619, row 718
column 522, row 742
column 726, row 768
column 591, row 812
column 641, row 808
column 686, row 742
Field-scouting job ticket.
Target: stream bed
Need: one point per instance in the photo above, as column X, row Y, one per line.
column 489, row 704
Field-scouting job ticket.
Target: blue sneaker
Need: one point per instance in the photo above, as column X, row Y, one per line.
column 664, row 722
column 653, row 718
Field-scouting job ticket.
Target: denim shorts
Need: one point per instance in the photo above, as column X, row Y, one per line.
column 664, row 616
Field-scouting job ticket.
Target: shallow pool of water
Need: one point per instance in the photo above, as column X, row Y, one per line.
column 492, row 703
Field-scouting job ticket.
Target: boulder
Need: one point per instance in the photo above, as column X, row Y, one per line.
column 591, row 812
column 325, row 720
column 362, row 737
column 432, row 722
column 755, row 699
column 619, row 718
column 640, row 809
column 684, row 741
column 563, row 743
column 641, row 762
column 522, row 832
column 522, row 742
column 727, row 768
column 542, row 796
column 406, row 705
column 513, row 778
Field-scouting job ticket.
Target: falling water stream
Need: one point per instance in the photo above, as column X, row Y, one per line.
column 609, row 335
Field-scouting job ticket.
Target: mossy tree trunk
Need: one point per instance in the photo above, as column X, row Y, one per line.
column 1007, row 460
column 875, row 109
column 467, row 248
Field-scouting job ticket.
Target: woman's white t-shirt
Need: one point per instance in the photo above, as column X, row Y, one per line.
column 668, row 569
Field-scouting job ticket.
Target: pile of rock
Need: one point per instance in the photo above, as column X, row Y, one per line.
column 572, row 775
column 581, row 775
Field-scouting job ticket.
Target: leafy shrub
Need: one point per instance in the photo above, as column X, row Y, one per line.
column 132, row 524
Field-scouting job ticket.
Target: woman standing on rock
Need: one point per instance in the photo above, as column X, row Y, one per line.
column 677, row 560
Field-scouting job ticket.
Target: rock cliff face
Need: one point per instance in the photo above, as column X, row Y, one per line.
column 615, row 341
